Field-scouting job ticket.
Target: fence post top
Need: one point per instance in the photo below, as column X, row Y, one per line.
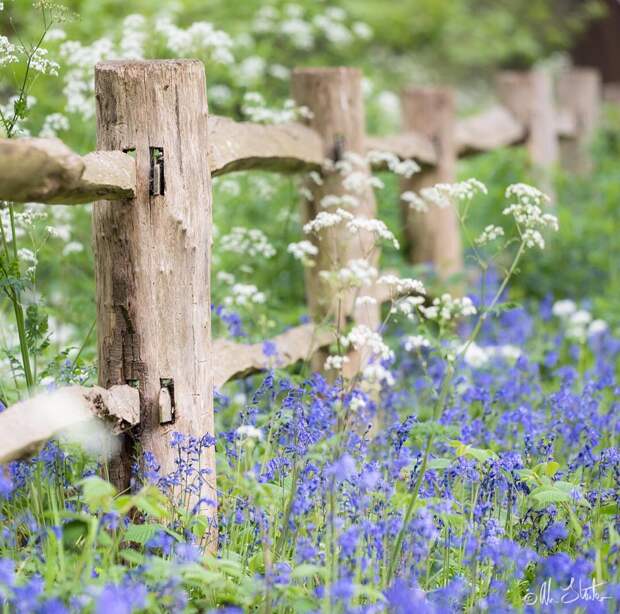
column 145, row 64
column 328, row 71
column 435, row 91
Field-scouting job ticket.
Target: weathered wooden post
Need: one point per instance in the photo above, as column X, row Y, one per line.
column 433, row 236
column 528, row 95
column 579, row 92
column 152, row 256
column 334, row 96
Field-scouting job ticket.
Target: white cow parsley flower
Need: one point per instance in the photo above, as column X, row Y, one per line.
column 490, row 233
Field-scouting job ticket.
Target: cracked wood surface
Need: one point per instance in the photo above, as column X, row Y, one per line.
column 46, row 170
column 25, row 426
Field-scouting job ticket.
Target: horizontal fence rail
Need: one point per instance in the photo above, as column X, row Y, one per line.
column 47, row 171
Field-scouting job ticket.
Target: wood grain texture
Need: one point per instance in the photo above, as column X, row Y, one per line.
column 234, row 360
column 25, row 426
column 493, row 128
column 47, row 171
column 579, row 94
column 237, row 146
column 528, row 95
column 433, row 237
column 334, row 96
column 153, row 256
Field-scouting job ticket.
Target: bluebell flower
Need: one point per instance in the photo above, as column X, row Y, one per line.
column 118, row 599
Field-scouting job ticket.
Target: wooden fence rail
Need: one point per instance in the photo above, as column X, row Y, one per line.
column 157, row 149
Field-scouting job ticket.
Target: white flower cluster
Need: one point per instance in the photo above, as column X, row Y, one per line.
column 256, row 110
column 479, row 356
column 363, row 301
column 446, row 308
column 407, row 306
column 79, row 82
column 374, row 376
column 325, row 219
column 24, row 220
column 133, row 37
column 243, row 295
column 39, row 62
column 416, row 202
column 356, row 274
column 251, row 242
column 528, row 214
column 303, row 251
column 373, row 226
column 578, row 322
column 402, row 285
column 354, row 225
column 8, row 52
column 415, row 342
column 362, row 337
column 199, row 39
column 247, row 431
column 53, row 124
column 446, row 194
column 355, row 172
column 490, row 233
column 404, row 168
column 303, row 33
column 335, row 362
column 347, row 200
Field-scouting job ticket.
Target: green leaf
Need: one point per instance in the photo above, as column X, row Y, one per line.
column 74, row 533
column 97, row 492
column 439, row 463
column 546, row 495
column 153, row 502
column 131, row 556
column 611, row 509
column 141, row 533
column 307, row 570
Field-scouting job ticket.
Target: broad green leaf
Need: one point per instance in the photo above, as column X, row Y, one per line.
column 97, row 492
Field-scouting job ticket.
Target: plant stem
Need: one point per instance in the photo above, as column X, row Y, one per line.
column 436, row 414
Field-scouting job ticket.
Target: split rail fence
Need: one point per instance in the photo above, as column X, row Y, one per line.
column 157, row 149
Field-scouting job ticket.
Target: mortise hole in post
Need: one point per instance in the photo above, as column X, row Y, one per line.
column 166, row 401
column 157, row 183
column 134, row 383
column 130, row 151
column 338, row 148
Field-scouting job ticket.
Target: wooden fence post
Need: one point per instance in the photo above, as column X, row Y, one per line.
column 334, row 96
column 152, row 256
column 528, row 95
column 433, row 236
column 579, row 91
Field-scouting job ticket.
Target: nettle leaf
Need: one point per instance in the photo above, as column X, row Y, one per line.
column 97, row 492
column 546, row 495
column 132, row 556
column 141, row 533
